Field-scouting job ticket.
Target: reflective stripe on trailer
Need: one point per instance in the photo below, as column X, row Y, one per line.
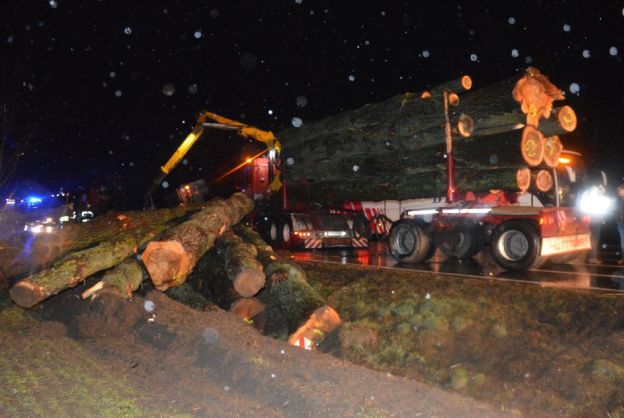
column 359, row 242
column 313, row 243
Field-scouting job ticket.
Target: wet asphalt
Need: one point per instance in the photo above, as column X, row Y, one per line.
column 578, row 274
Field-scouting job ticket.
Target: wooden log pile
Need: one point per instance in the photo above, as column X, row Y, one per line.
column 396, row 149
column 201, row 257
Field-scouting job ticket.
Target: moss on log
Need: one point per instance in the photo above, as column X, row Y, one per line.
column 47, row 248
column 125, row 278
column 75, row 267
column 288, row 290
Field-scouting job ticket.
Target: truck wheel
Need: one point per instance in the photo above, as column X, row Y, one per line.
column 361, row 227
column 516, row 246
column 286, row 232
column 409, row 242
column 462, row 242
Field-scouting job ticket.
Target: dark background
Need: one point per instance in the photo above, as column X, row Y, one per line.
column 93, row 72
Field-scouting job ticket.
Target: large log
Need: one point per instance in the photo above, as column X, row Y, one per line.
column 170, row 259
column 75, row 267
column 368, row 153
column 125, row 278
column 242, row 267
column 288, row 290
column 47, row 248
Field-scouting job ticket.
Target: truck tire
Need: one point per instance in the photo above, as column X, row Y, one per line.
column 285, row 230
column 409, row 242
column 516, row 246
column 361, row 227
column 463, row 242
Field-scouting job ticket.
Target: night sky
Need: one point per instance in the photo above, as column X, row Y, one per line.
column 114, row 86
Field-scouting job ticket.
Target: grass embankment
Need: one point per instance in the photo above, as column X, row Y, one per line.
column 46, row 373
column 544, row 351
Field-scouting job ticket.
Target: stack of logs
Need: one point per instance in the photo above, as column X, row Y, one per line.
column 206, row 249
column 396, row 149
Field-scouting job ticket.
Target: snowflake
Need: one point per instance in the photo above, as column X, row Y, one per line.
column 567, row 28
column 515, row 53
column 613, row 51
column 586, row 53
column 474, row 57
column 128, row 30
column 575, row 88
column 296, row 122
column 351, row 77
column 426, row 54
column 512, row 20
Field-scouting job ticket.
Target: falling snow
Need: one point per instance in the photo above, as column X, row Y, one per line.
column 197, row 34
column 512, row 20
column 351, row 77
column 53, row 4
column 165, row 184
column 425, row 54
column 168, row 89
column 567, row 28
column 575, row 88
column 118, row 93
column 149, row 306
column 515, row 53
column 128, row 30
column 474, row 57
column 301, row 101
column 586, row 53
column 296, row 122
column 193, row 88
column 613, row 51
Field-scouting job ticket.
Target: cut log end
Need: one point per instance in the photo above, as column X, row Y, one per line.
column 247, row 308
column 165, row 261
column 566, row 116
column 466, row 82
column 27, row 294
column 532, row 146
column 465, row 125
column 324, row 319
column 249, row 282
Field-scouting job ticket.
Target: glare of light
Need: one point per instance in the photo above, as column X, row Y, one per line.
column 36, row 229
column 49, row 229
column 594, row 203
column 33, row 199
column 564, row 160
column 64, row 218
column 10, row 201
column 248, row 160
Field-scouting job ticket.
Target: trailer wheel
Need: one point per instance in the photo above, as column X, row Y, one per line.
column 409, row 242
column 516, row 246
column 361, row 227
column 286, row 232
column 463, row 242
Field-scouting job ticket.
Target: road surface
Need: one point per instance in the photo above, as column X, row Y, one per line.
column 607, row 276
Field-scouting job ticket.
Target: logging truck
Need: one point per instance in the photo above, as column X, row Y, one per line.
column 469, row 170
column 281, row 223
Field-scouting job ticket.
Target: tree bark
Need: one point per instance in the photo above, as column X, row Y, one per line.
column 395, row 149
column 170, row 259
column 242, row 267
column 125, row 277
column 288, row 290
column 47, row 248
column 75, row 267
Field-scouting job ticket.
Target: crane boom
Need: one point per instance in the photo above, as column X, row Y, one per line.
column 220, row 122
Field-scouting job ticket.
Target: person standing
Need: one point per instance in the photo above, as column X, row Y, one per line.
column 619, row 220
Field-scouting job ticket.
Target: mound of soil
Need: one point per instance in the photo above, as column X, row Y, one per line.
column 154, row 356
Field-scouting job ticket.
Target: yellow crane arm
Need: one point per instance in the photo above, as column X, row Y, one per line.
column 247, row 131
